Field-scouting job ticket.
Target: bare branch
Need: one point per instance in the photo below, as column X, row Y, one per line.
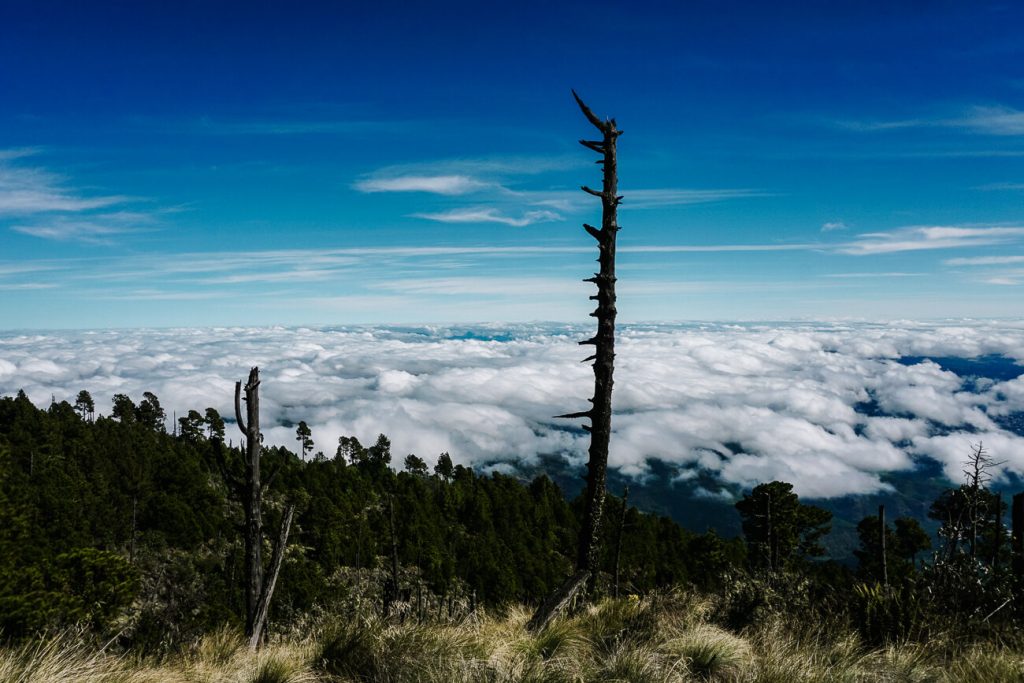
column 238, row 409
column 591, row 116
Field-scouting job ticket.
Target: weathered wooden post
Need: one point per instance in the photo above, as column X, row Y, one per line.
column 600, row 412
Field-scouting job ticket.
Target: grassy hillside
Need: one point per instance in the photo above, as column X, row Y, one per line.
column 664, row 638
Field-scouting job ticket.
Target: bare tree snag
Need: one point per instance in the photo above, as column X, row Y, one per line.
column 267, row 592
column 391, row 590
column 881, row 555
column 252, row 498
column 1017, row 540
column 618, row 540
column 600, row 412
column 558, row 602
column 257, row 593
column 998, row 538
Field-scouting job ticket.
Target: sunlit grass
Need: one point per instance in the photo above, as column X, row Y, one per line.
column 663, row 638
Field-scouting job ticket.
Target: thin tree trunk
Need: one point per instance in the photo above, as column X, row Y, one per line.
column 998, row 541
column 135, row 527
column 392, row 591
column 1017, row 540
column 600, row 412
column 267, row 592
column 558, row 602
column 882, row 556
column 618, row 539
column 253, row 496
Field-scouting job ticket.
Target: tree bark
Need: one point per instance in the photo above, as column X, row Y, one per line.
column 558, row 602
column 998, row 539
column 1017, row 540
column 259, row 588
column 253, row 495
column 600, row 412
column 618, row 540
column 267, row 592
column 882, row 558
column 391, row 591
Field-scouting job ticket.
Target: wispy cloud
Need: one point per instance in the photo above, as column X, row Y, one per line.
column 484, row 286
column 984, row 261
column 984, row 120
column 871, row 275
column 297, row 275
column 44, row 205
column 916, row 238
column 489, row 168
column 8, row 269
column 571, row 201
column 833, row 225
column 22, row 286
column 96, row 229
column 1012, row 187
column 655, row 198
column 438, row 184
column 993, row 121
column 289, row 126
column 161, row 295
column 489, row 215
column 712, row 248
column 869, row 126
column 25, row 191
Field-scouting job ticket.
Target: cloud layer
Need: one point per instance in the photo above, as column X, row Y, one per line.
column 827, row 407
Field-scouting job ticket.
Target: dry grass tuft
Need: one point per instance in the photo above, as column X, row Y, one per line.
column 665, row 638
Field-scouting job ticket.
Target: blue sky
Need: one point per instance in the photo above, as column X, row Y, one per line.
column 277, row 163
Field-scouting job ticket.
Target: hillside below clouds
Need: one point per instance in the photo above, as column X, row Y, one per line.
column 851, row 414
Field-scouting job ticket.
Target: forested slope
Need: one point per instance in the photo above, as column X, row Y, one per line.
column 114, row 523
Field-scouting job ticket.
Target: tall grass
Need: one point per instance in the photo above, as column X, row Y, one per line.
column 664, row 638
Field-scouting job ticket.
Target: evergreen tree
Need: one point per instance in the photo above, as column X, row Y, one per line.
column 305, row 438
column 902, row 545
column 779, row 529
column 214, row 424
column 415, row 465
column 85, row 406
column 444, row 467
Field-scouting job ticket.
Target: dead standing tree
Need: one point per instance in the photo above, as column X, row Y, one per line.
column 600, row 412
column 259, row 589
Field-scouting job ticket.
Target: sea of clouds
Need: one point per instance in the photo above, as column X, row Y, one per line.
column 744, row 403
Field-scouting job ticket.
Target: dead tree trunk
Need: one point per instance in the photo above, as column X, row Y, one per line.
column 881, row 555
column 252, row 495
column 391, row 591
column 257, row 593
column 998, row 539
column 1017, row 540
column 618, row 540
column 267, row 592
column 600, row 412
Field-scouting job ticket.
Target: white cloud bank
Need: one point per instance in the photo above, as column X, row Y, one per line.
column 746, row 403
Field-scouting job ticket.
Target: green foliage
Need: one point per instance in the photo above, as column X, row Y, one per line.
column 116, row 526
column 140, row 530
column 902, row 546
column 885, row 615
column 305, row 438
column 780, row 530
